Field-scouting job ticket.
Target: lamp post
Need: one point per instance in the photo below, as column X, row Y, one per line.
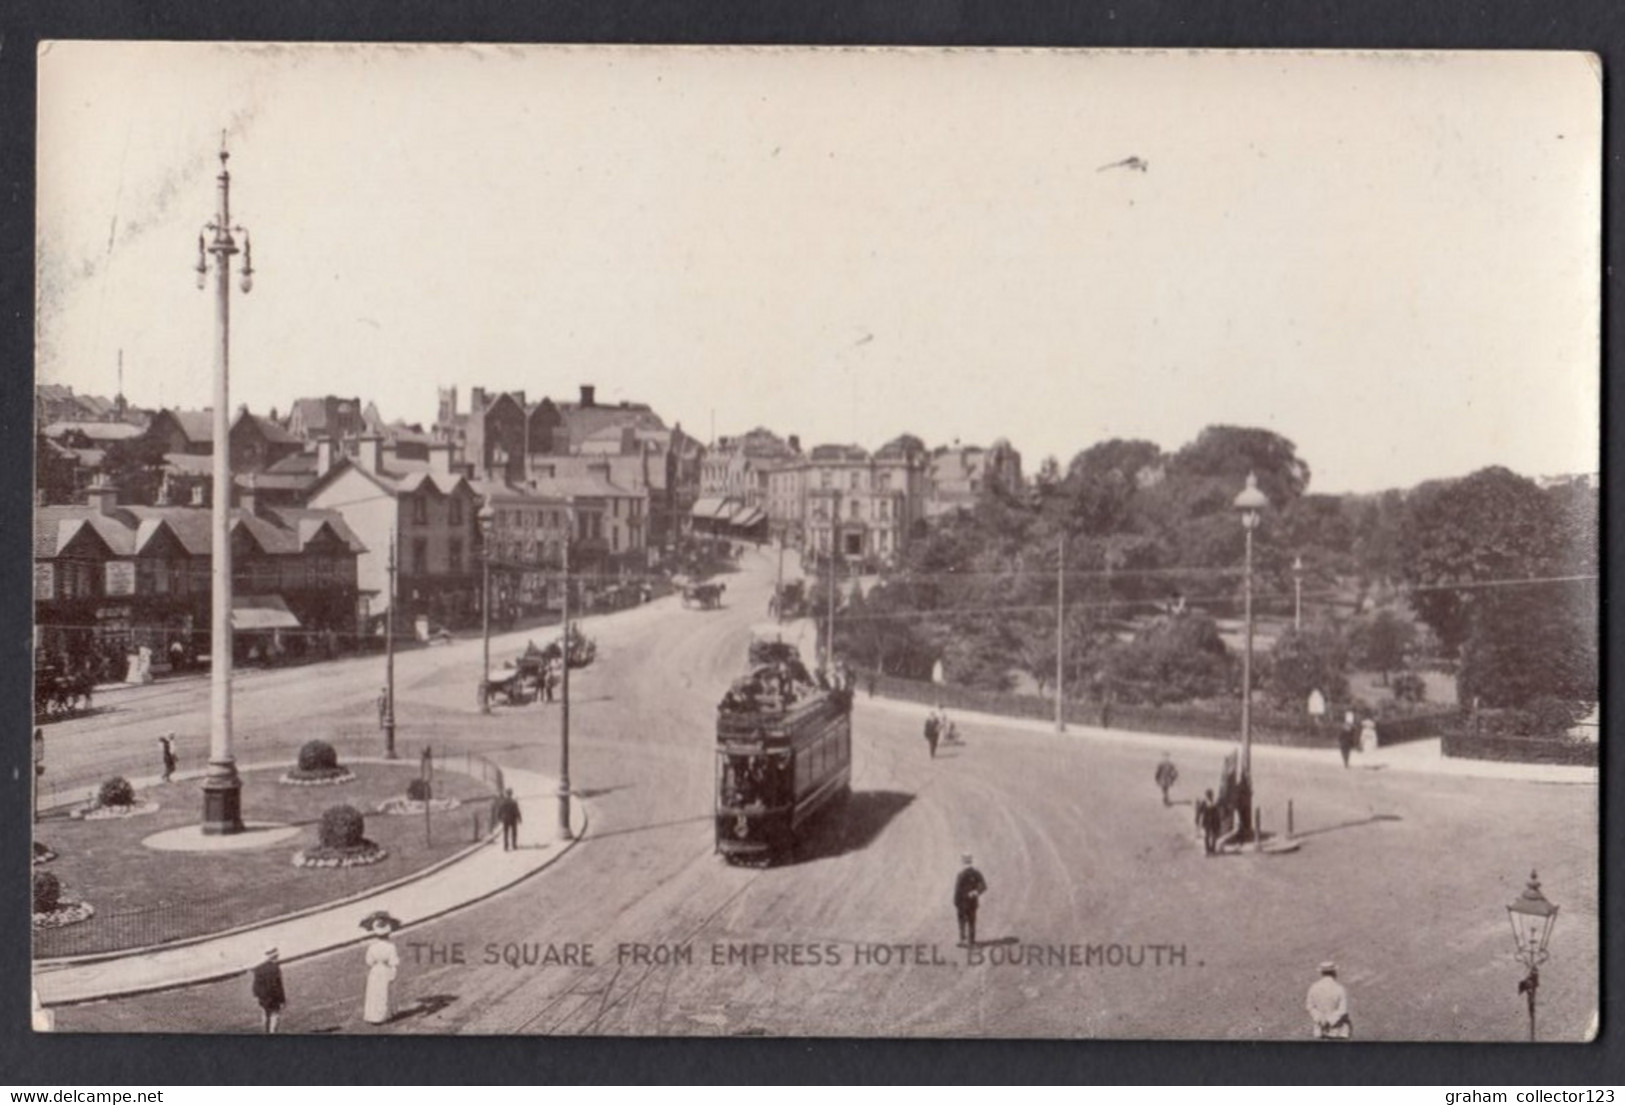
column 222, row 788
column 487, row 527
column 834, row 545
column 390, row 569
column 1532, row 918
column 1297, row 594
column 1060, row 632
column 564, row 681
column 1250, row 504
column 39, row 767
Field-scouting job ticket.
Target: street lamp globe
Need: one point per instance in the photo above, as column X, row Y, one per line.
column 488, row 517
column 1251, row 503
column 1533, row 918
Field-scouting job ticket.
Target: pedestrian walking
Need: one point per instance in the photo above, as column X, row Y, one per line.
column 1328, row 1005
column 383, row 964
column 1368, row 736
column 933, row 729
column 268, row 991
column 1167, row 775
column 1211, row 814
column 1346, row 737
column 166, row 749
column 508, row 814
column 969, row 887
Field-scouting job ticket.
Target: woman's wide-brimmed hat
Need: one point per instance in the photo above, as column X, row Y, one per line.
column 380, row 918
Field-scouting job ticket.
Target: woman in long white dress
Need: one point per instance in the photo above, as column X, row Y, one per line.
column 383, row 964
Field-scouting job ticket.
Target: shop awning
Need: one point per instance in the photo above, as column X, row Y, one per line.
column 747, row 518
column 706, row 508
column 261, row 612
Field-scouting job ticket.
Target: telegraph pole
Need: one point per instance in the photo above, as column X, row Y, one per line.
column 389, row 658
column 1060, row 634
column 564, row 690
column 222, row 788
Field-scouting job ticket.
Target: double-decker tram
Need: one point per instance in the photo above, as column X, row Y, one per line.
column 784, row 755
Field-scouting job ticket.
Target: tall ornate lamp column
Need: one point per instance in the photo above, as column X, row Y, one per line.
column 222, row 789
column 1250, row 504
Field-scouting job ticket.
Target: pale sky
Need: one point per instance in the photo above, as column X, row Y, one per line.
column 1391, row 260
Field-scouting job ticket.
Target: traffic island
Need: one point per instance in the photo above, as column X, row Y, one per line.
column 168, row 881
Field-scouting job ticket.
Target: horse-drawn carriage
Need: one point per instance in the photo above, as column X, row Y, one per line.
column 789, row 600
column 582, row 651
column 707, row 596
column 515, row 689
column 59, row 694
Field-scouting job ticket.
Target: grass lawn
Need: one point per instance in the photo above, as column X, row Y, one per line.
column 145, row 897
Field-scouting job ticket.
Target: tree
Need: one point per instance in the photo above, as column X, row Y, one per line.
column 1174, row 659
column 1307, row 660
column 1382, row 643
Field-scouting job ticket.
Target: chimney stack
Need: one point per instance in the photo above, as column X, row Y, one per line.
column 248, row 496
column 440, row 458
column 324, row 456
column 369, row 452
column 476, row 401
column 103, row 496
column 197, row 495
column 587, row 393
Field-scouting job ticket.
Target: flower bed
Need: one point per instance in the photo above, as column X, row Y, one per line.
column 363, row 855
column 94, row 812
column 65, row 914
column 400, row 807
column 319, row 778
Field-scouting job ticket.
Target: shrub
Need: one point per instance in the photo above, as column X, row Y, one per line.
column 318, row 756
column 418, row 790
column 47, row 892
column 116, row 791
column 1408, row 686
column 342, row 827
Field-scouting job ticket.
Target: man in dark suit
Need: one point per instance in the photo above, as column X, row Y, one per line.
column 508, row 814
column 933, row 728
column 968, row 890
column 268, row 990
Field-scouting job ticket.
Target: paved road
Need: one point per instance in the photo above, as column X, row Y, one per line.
column 1402, row 877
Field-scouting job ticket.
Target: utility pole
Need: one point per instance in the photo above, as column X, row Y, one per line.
column 564, row 656
column 389, row 656
column 222, row 788
column 778, row 588
column 1060, row 634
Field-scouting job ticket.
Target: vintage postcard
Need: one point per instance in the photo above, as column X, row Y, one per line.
column 816, row 542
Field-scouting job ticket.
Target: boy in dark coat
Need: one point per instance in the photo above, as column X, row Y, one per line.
column 969, row 887
column 268, row 989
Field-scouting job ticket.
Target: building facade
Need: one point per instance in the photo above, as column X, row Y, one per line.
column 111, row 578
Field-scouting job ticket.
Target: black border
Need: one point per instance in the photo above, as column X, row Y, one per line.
column 56, row 1061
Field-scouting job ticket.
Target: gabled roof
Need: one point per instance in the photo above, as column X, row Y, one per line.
column 272, row 431
column 189, row 464
column 277, row 530
column 295, row 464
column 96, row 431
column 196, row 425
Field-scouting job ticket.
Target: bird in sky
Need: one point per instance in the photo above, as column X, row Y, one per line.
column 1139, row 163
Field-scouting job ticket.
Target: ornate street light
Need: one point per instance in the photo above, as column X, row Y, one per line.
column 1250, row 504
column 487, row 532
column 222, row 788
column 1533, row 918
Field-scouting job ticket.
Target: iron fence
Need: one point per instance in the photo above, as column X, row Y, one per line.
column 1220, row 721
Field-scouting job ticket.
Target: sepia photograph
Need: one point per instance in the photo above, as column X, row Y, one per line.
column 876, row 543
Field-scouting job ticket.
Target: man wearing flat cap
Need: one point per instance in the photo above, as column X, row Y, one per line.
column 1328, row 1005
column 268, row 989
column 968, row 890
